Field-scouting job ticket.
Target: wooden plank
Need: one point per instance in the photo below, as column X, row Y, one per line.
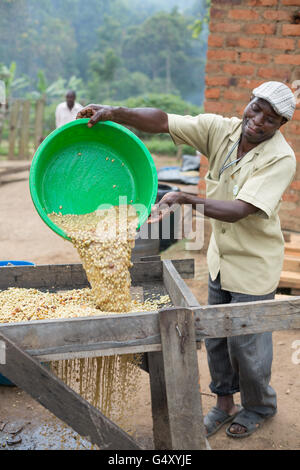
column 150, row 258
column 87, row 337
column 63, row 402
column 73, row 275
column 217, row 321
column 39, row 122
column 48, row 338
column 292, row 248
column 159, row 406
column 140, row 272
column 182, row 379
column 50, row 277
column 179, row 293
column 291, row 263
column 13, row 128
column 24, row 133
column 289, row 279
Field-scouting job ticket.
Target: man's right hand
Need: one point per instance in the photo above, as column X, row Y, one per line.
column 150, row 120
column 96, row 113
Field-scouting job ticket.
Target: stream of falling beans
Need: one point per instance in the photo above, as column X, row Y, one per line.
column 104, row 240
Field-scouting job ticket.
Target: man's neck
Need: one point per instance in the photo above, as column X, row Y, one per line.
column 245, row 146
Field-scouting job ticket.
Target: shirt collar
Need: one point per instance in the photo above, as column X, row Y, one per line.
column 234, row 136
column 258, row 150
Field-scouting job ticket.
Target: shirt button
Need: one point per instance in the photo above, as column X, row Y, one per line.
column 223, row 230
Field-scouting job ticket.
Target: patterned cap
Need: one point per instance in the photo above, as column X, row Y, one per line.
column 279, row 96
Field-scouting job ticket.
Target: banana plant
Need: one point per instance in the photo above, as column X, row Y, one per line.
column 56, row 89
column 12, row 84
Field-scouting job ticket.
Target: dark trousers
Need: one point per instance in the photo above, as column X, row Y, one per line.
column 241, row 363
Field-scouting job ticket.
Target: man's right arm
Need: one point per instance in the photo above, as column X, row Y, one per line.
column 150, row 120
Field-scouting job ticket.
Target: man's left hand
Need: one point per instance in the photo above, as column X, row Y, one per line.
column 164, row 207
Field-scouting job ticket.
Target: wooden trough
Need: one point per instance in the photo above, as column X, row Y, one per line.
column 168, row 338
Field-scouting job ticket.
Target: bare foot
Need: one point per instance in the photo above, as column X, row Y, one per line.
column 237, row 429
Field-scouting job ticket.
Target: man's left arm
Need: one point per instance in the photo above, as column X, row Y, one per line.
column 260, row 194
column 225, row 211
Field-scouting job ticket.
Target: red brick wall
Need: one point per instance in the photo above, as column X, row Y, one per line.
column 250, row 42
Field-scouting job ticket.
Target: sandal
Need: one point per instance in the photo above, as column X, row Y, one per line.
column 250, row 420
column 216, row 418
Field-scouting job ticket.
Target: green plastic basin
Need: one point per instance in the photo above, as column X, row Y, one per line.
column 77, row 168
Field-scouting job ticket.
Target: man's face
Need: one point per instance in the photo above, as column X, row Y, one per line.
column 70, row 99
column 260, row 121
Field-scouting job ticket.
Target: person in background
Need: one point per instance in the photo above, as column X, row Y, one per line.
column 67, row 111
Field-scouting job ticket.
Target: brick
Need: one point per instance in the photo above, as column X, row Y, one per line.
column 201, row 184
column 247, row 43
column 202, row 170
column 212, row 67
column 225, row 27
column 262, row 3
column 275, row 74
column 234, row 69
column 291, row 59
column 236, row 95
column 291, row 197
column 212, row 93
column 221, row 55
column 218, row 107
column 291, row 29
column 243, row 15
column 279, row 43
column 216, row 81
column 277, row 15
column 249, row 84
column 294, row 127
column 259, row 28
column 239, row 110
column 295, row 3
column 215, row 41
column 255, row 58
column 295, row 185
column 296, row 116
column 217, row 13
column 204, row 161
column 231, row 2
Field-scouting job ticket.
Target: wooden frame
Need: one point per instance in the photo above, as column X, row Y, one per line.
column 167, row 337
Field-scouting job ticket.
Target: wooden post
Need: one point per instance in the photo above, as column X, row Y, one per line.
column 24, row 133
column 63, row 402
column 39, row 122
column 161, row 426
column 178, row 291
column 13, row 127
column 181, row 375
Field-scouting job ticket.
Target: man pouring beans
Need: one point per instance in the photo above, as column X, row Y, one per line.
column 250, row 167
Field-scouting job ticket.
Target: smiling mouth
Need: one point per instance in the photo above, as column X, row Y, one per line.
column 253, row 131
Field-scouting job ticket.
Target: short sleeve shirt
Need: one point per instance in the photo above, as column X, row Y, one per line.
column 247, row 253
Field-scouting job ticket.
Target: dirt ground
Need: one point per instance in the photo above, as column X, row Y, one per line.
column 24, row 236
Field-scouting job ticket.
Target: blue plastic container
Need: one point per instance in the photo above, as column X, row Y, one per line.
column 16, row 263
column 4, row 380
